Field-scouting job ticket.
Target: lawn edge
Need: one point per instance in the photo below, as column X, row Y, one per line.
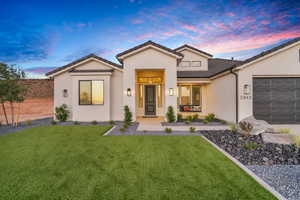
column 110, row 130
column 248, row 171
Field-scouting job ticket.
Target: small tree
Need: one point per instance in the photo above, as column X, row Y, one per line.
column 127, row 115
column 62, row 113
column 170, row 115
column 10, row 88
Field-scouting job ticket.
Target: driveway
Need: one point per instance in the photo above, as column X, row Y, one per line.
column 294, row 128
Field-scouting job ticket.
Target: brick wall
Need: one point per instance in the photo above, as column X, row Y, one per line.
column 38, row 103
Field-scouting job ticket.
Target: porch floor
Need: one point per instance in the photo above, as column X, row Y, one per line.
column 150, row 124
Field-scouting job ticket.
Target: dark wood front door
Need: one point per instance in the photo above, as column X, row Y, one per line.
column 150, row 103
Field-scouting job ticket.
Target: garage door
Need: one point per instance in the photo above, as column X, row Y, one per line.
column 277, row 100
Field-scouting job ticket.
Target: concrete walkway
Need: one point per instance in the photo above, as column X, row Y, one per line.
column 294, row 128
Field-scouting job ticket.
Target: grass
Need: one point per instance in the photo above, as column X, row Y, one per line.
column 76, row 162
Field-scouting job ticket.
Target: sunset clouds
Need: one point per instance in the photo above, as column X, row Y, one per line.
column 37, row 34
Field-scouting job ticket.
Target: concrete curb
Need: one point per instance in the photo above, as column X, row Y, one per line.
column 248, row 171
column 110, row 130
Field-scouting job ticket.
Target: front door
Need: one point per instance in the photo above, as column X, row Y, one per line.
column 150, row 103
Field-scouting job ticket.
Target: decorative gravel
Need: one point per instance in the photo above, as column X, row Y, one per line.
column 252, row 150
column 38, row 122
column 283, row 178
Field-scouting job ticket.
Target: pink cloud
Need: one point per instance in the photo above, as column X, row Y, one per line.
column 238, row 44
column 144, row 36
column 193, row 29
column 220, row 26
column 137, row 21
column 230, row 14
column 265, row 22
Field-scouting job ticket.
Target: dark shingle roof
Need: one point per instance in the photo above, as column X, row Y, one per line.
column 148, row 43
column 193, row 48
column 264, row 53
column 215, row 66
column 82, row 59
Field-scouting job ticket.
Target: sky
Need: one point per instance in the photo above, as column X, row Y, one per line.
column 39, row 36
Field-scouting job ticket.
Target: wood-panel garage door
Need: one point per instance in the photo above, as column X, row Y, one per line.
column 277, row 100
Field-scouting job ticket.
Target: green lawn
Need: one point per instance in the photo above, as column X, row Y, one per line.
column 76, row 162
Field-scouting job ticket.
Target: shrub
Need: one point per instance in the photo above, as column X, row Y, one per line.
column 168, row 130
column 223, row 121
column 76, row 123
column 53, row 122
column 296, row 139
column 28, row 122
column 122, row 130
column 250, row 145
column 189, row 118
column 284, row 130
column 210, row 117
column 192, row 129
column 0, row 123
column 112, row 122
column 145, row 131
column 195, row 117
column 62, row 113
column 125, row 125
column 179, row 117
column 94, row 122
column 246, row 127
column 127, row 115
column 187, row 122
column 170, row 114
column 205, row 121
column 233, row 128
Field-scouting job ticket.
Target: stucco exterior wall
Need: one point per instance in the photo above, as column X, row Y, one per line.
column 191, row 56
column 221, row 98
column 282, row 64
column 149, row 59
column 113, row 102
column 116, row 95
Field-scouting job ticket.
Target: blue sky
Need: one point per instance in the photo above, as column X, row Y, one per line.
column 41, row 35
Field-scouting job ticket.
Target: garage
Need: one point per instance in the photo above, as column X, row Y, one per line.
column 277, row 100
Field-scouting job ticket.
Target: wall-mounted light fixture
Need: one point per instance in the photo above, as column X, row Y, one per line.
column 128, row 92
column 65, row 93
column 171, row 91
column 247, row 89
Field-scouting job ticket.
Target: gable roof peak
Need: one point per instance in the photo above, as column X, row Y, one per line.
column 193, row 48
column 149, row 42
column 67, row 66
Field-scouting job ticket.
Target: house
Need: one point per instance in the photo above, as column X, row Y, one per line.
column 152, row 77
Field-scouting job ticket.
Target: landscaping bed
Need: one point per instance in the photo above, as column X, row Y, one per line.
column 252, row 150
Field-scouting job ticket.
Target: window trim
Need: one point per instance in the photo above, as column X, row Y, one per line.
column 91, row 86
column 191, row 96
column 190, row 63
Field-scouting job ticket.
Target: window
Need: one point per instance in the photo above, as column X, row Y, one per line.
column 189, row 98
column 196, row 63
column 190, row 64
column 91, row 92
column 184, row 64
column 185, row 97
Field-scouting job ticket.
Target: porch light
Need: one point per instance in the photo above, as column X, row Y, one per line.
column 246, row 89
column 171, row 91
column 128, row 92
column 65, row 93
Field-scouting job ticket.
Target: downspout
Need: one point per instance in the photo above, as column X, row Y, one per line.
column 236, row 95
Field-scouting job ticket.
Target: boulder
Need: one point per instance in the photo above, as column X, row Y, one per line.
column 259, row 126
